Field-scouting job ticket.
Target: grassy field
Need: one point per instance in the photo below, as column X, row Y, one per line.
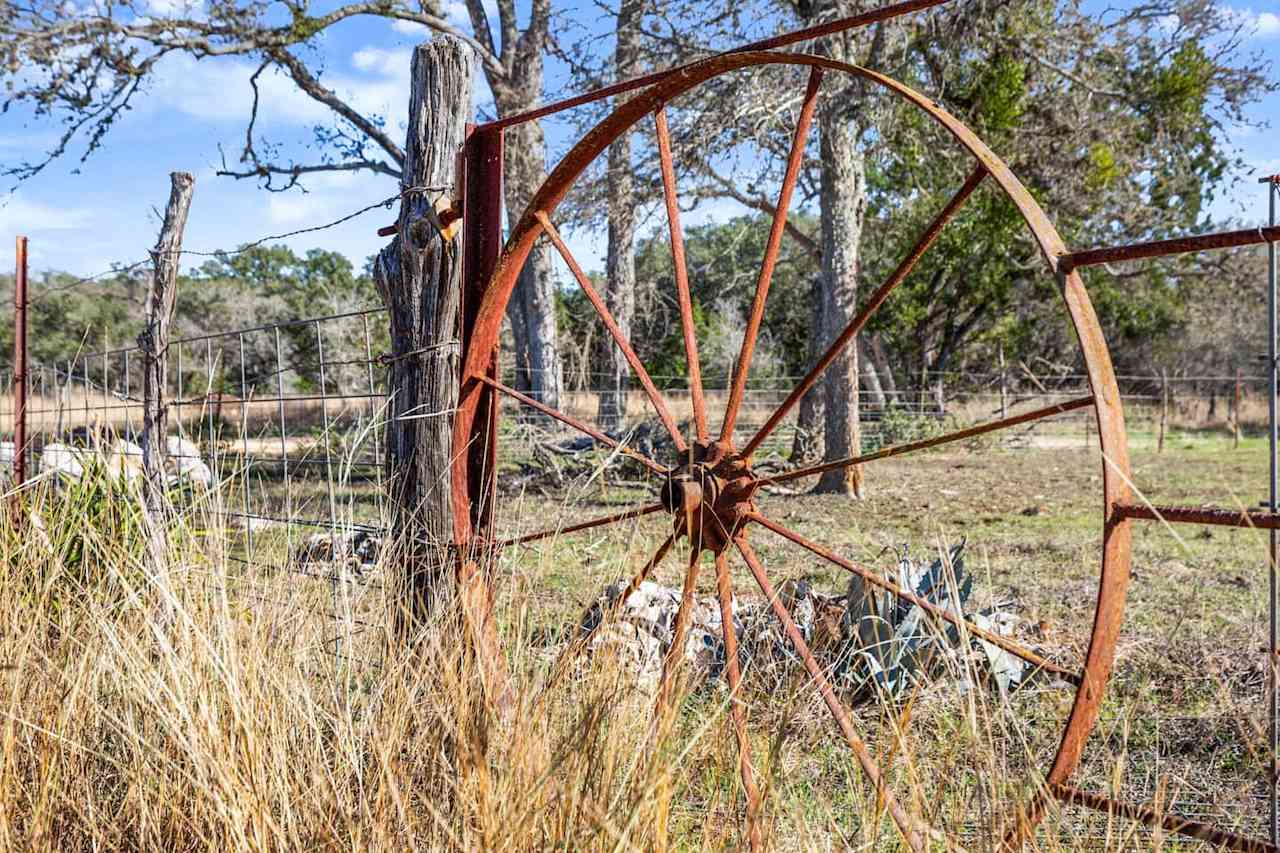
column 181, row 699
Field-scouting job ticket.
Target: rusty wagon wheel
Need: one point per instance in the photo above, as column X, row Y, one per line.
column 710, row 486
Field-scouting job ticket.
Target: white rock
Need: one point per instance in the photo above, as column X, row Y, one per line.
column 124, row 462
column 184, row 463
column 59, row 460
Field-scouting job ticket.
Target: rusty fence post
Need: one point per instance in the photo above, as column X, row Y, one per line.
column 20, row 362
column 482, row 245
column 1273, row 386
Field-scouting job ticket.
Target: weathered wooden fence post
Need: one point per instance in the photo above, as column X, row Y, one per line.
column 1235, row 414
column 1164, row 408
column 419, row 275
column 154, row 340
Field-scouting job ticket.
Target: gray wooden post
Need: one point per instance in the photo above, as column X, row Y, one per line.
column 419, row 276
column 154, row 339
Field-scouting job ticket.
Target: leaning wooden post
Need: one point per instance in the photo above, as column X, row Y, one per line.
column 419, row 276
column 153, row 342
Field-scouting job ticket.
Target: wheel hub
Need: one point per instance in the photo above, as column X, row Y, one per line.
column 709, row 493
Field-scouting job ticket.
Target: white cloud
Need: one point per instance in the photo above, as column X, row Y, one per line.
column 409, row 28
column 171, row 8
column 290, row 208
column 218, row 90
column 378, row 60
column 21, row 216
column 1260, row 24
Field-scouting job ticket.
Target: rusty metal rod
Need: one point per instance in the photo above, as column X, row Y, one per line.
column 1200, row 515
column 569, row 420
column 1161, row 248
column 733, row 675
column 924, row 604
column 923, row 444
column 675, row 655
column 913, row 830
column 678, row 262
column 584, row 525
column 1218, row 838
column 840, row 25
column 607, row 614
column 637, row 366
column 20, row 362
column 776, row 230
column 1273, row 461
column 873, row 304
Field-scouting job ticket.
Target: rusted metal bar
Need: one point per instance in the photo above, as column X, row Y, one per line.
column 571, row 421
column 1161, row 248
column 573, row 649
column 1273, row 466
column 675, row 655
column 776, row 230
column 924, row 604
column 1219, row 839
column 873, row 304
column 924, row 444
column 913, row 830
column 583, row 525
column 683, row 298
column 20, row 362
column 1200, row 515
column 474, row 480
column 874, row 16
column 637, row 366
column 733, row 675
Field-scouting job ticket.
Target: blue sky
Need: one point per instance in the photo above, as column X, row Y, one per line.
column 83, row 222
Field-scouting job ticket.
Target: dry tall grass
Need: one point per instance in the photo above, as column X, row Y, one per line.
column 174, row 702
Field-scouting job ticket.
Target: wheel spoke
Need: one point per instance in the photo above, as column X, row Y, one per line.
column 913, row 832
column 923, row 444
column 584, row 525
column 575, row 423
column 675, row 655
column 615, row 331
column 873, row 304
column 607, row 615
column 682, row 274
column 924, row 604
column 754, row 319
column 733, row 675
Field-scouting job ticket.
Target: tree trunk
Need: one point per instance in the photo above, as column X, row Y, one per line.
column 881, row 362
column 419, row 276
column 154, row 344
column 870, row 378
column 806, row 445
column 843, row 202
column 620, row 266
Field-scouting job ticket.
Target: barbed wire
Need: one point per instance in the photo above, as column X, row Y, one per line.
column 120, row 269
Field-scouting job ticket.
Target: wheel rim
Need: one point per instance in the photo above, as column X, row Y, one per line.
column 709, row 493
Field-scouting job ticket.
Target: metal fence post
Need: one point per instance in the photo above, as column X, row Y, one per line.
column 1273, row 381
column 20, row 362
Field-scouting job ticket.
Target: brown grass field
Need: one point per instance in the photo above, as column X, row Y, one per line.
column 183, row 700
